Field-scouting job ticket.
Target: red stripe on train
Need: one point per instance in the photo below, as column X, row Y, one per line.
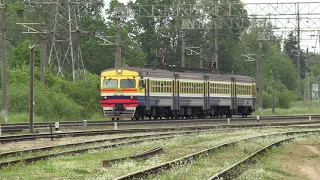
column 125, row 105
column 112, row 101
column 129, row 90
column 108, row 90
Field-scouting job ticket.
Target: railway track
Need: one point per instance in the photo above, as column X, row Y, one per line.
column 18, row 127
column 142, row 174
column 236, row 169
column 23, row 137
column 107, row 163
column 141, row 139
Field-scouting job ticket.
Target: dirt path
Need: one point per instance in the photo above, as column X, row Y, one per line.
column 302, row 158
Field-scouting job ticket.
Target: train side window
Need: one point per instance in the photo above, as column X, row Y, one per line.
column 181, row 87
column 201, row 88
column 141, row 84
column 154, row 86
column 196, row 91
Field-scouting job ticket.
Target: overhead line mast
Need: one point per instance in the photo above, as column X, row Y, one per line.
column 4, row 87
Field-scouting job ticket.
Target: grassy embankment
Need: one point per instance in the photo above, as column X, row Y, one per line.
column 296, row 109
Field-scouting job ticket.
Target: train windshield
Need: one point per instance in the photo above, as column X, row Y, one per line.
column 110, row 83
column 127, row 83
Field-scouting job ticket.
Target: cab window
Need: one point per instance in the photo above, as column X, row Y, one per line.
column 127, row 83
column 110, row 83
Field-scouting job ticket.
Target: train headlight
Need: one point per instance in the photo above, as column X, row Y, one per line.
column 104, row 97
column 119, row 71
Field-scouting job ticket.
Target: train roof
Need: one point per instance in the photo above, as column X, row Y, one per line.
column 161, row 73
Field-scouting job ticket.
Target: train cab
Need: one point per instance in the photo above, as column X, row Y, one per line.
column 119, row 91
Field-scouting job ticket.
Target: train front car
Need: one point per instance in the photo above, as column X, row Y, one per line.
column 119, row 90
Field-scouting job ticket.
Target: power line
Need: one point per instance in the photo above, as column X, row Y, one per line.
column 233, row 15
column 42, row 33
column 65, row 46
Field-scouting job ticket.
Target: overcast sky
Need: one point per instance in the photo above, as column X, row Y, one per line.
column 304, row 43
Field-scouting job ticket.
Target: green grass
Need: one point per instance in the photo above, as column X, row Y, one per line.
column 270, row 165
column 89, row 165
column 24, row 117
column 204, row 167
column 297, row 108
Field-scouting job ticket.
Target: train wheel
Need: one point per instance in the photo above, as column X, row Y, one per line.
column 118, row 119
column 112, row 119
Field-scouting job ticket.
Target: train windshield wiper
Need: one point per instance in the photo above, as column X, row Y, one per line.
column 130, row 80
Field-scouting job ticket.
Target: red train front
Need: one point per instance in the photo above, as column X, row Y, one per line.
column 119, row 93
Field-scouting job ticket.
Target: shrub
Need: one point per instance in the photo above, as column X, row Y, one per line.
column 267, row 100
column 284, row 99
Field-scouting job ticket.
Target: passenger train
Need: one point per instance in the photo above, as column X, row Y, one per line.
column 139, row 93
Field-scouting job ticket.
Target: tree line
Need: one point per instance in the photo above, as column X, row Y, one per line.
column 141, row 37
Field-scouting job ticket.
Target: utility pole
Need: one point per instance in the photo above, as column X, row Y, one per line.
column 306, row 87
column 201, row 57
column 117, row 62
column 42, row 32
column 42, row 56
column 260, row 76
column 183, row 58
column 4, row 62
column 216, row 48
column 216, row 41
column 298, row 58
column 31, row 103
column 272, row 91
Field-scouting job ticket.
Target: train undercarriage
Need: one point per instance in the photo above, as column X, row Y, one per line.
column 140, row 112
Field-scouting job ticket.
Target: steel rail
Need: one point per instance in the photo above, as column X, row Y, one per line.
column 107, row 163
column 19, row 152
column 81, row 151
column 145, row 122
column 191, row 157
column 78, row 151
column 238, row 168
column 6, row 139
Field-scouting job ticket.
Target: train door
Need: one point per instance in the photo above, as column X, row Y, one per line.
column 233, row 96
column 206, row 97
column 147, row 97
column 175, row 96
column 253, row 97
